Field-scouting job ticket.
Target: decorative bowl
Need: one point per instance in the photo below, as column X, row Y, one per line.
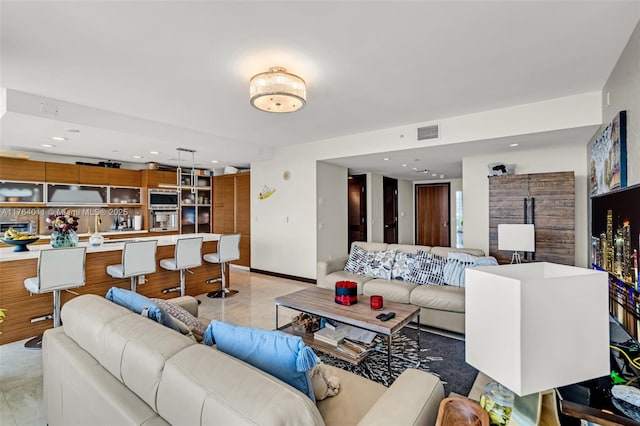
column 21, row 245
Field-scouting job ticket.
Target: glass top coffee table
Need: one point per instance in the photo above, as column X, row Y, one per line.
column 320, row 302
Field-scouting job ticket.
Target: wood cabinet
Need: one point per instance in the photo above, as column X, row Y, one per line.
column 92, row 175
column 232, row 210
column 61, row 173
column 124, row 177
column 22, row 170
column 153, row 178
column 545, row 199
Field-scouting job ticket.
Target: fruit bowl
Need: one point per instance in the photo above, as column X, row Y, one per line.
column 21, row 245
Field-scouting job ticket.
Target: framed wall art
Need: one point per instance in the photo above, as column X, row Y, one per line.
column 609, row 157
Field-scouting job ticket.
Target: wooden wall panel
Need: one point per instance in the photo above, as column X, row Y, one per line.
column 554, row 197
column 21, row 307
column 232, row 210
column 152, row 178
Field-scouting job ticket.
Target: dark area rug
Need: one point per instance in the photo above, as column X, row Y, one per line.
column 440, row 355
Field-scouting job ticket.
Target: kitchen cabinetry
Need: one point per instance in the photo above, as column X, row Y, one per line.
column 21, row 192
column 156, row 178
column 124, row 195
column 545, row 199
column 232, row 210
column 61, row 173
column 124, row 177
column 73, row 195
column 195, row 203
column 22, row 170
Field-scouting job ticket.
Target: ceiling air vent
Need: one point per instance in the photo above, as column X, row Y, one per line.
column 429, row 132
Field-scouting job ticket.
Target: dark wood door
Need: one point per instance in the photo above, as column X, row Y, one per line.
column 390, row 200
column 357, row 203
column 432, row 215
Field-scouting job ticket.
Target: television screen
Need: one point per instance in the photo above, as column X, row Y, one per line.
column 615, row 240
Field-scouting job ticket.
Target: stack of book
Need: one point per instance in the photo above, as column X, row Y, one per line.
column 332, row 337
column 353, row 349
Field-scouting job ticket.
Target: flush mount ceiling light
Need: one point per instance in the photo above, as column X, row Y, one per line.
column 277, row 91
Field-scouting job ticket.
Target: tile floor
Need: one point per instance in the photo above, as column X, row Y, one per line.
column 21, row 369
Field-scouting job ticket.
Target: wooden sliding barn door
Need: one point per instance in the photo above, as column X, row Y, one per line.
column 432, row 215
column 545, row 199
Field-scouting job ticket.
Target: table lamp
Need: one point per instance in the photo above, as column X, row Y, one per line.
column 516, row 237
column 533, row 327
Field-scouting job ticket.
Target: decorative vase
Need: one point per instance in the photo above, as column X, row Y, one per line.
column 64, row 239
column 96, row 239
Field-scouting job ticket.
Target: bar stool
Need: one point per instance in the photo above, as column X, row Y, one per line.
column 138, row 259
column 188, row 254
column 58, row 269
column 228, row 250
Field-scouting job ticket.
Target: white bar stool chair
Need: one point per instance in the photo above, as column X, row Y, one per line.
column 58, row 269
column 228, row 251
column 138, row 259
column 188, row 254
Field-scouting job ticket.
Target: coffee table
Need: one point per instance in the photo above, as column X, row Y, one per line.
column 320, row 302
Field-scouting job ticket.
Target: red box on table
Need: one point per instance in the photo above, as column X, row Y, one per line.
column 346, row 293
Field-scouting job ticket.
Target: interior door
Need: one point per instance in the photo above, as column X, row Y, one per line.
column 357, row 203
column 432, row 215
column 390, row 194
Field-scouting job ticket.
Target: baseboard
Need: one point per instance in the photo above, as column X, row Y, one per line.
column 279, row 275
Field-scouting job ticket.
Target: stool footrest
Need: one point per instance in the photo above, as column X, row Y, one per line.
column 171, row 290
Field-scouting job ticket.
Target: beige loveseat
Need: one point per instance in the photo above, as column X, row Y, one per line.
column 441, row 306
column 109, row 366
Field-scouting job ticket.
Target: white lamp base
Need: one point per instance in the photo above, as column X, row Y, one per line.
column 515, row 257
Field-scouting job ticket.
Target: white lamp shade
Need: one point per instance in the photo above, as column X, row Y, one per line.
column 516, row 237
column 537, row 326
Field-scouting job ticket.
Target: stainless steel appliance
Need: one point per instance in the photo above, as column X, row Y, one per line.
column 163, row 220
column 25, row 226
column 163, row 199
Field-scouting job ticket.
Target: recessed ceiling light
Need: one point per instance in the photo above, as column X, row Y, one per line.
column 441, row 176
column 513, row 144
column 434, row 174
column 214, row 161
column 386, row 158
column 415, row 168
column 425, row 171
column 154, row 152
column 137, row 157
column 47, row 145
column 73, row 130
column 114, row 150
column 404, row 165
column 59, row 138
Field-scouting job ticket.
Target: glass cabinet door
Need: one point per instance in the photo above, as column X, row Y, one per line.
column 21, row 192
column 124, row 195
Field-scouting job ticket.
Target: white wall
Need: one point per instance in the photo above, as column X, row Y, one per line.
column 623, row 87
column 331, row 211
column 406, row 224
column 475, row 190
column 291, row 247
column 283, row 226
column 454, row 185
column 375, row 208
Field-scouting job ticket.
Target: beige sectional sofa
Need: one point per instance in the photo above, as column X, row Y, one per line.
column 109, row 366
column 441, row 306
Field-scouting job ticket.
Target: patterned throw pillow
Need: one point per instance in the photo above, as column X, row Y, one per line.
column 379, row 264
column 192, row 323
column 455, row 266
column 403, row 266
column 357, row 260
column 429, row 269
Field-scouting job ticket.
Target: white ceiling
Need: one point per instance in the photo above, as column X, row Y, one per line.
column 175, row 73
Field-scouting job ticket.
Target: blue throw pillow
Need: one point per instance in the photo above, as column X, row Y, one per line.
column 139, row 304
column 429, row 269
column 279, row 354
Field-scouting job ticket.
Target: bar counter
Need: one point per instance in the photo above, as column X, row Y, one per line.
column 21, row 307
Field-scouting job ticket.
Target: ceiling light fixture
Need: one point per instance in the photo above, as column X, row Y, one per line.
column 513, row 144
column 214, row 161
column 277, row 91
column 386, row 158
column 73, row 130
column 47, row 145
column 59, row 138
column 404, row 165
column 137, row 157
column 154, row 152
